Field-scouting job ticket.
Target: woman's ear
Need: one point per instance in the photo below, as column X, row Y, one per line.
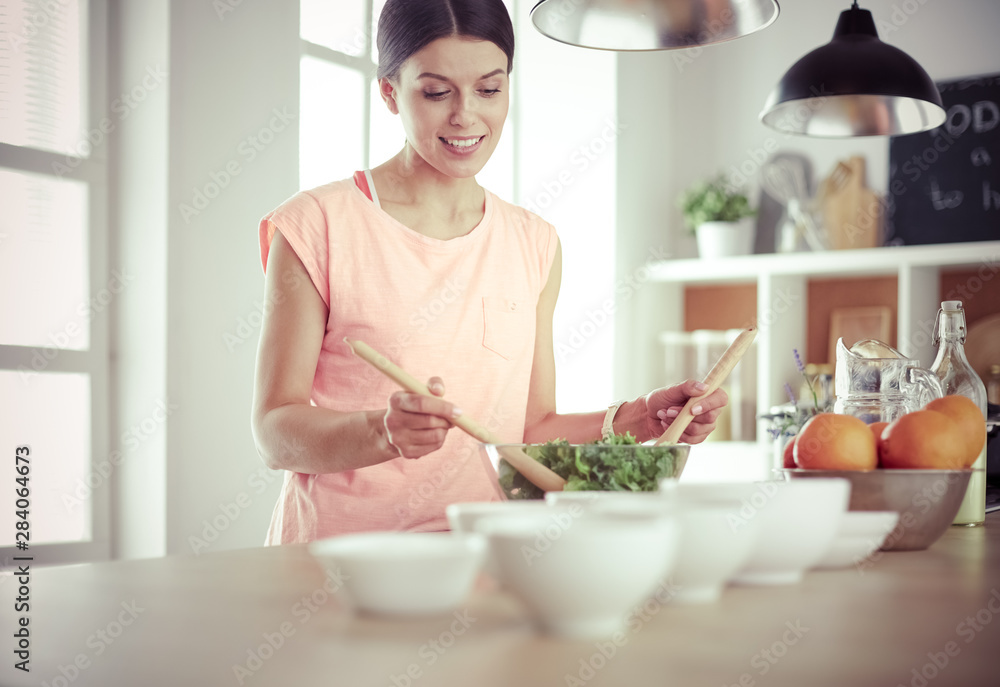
column 388, row 92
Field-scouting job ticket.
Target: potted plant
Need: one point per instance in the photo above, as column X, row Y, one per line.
column 720, row 217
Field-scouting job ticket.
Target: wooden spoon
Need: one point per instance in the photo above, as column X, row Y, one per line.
column 536, row 473
column 713, row 379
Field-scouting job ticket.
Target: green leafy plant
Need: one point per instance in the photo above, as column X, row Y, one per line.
column 713, row 201
column 619, row 463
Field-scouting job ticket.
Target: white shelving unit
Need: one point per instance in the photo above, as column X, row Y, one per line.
column 782, row 281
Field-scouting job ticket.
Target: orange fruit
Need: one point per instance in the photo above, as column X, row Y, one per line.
column 923, row 439
column 969, row 419
column 835, row 442
column 788, row 459
column 876, row 428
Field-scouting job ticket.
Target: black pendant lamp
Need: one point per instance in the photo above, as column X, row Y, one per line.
column 650, row 24
column 855, row 85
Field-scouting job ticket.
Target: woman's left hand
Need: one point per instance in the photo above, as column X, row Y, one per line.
column 663, row 405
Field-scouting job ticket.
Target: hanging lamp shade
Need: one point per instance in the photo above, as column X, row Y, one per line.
column 650, row 24
column 855, row 85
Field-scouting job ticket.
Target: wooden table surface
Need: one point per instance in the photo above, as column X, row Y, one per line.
column 216, row 620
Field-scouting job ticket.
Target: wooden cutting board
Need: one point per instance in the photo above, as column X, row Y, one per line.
column 852, row 212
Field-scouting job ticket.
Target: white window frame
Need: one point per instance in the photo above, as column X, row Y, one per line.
column 362, row 64
column 94, row 361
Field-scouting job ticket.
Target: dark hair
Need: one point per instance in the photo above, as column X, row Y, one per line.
column 407, row 26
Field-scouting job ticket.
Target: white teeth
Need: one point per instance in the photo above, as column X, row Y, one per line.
column 464, row 144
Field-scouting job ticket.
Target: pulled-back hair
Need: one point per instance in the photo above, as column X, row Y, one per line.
column 407, row 26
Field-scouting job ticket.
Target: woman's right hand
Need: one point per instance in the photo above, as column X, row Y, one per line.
column 416, row 425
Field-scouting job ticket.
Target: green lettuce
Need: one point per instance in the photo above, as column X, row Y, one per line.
column 599, row 466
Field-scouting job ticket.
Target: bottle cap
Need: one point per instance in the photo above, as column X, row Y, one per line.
column 951, row 306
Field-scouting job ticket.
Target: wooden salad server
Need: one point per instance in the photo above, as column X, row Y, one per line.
column 536, row 473
column 713, row 379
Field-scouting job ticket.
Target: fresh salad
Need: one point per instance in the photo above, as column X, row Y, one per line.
column 620, row 463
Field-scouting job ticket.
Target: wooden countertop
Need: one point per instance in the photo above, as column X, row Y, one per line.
column 187, row 621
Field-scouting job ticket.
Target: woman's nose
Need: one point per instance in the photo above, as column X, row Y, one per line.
column 464, row 112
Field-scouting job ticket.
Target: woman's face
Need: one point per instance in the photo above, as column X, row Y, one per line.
column 452, row 97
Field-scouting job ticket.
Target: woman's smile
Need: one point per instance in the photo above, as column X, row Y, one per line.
column 459, row 145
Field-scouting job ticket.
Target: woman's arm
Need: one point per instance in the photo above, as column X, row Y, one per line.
column 292, row 434
column 645, row 417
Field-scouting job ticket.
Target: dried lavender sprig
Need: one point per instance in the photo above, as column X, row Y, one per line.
column 788, row 390
column 798, row 361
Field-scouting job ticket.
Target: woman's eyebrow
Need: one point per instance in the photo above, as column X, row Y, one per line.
column 432, row 75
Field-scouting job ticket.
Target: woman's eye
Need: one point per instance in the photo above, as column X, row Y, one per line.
column 436, row 96
column 491, row 91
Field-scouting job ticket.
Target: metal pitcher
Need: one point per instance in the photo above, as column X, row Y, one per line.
column 882, row 388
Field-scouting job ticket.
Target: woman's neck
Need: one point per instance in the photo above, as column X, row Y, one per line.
column 406, row 179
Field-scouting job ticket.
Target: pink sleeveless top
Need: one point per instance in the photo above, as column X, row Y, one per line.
column 462, row 309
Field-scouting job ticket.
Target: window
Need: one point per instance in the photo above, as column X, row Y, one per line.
column 344, row 125
column 53, row 274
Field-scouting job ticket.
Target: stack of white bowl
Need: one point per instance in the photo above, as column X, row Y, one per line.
column 581, row 562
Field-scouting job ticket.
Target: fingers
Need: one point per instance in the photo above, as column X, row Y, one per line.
column 424, row 405
column 707, row 408
column 416, row 424
column 436, row 386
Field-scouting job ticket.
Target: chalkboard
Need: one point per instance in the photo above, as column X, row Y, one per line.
column 944, row 184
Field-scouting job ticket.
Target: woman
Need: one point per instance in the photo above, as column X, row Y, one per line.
column 447, row 280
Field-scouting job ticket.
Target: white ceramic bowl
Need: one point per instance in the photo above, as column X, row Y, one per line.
column 711, row 551
column 859, row 535
column 404, row 573
column 462, row 517
column 465, row 518
column 797, row 526
column 581, row 581
column 589, row 498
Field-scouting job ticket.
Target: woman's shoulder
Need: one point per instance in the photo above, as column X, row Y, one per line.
column 320, row 197
column 519, row 216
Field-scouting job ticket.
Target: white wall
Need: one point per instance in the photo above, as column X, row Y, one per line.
column 139, row 165
column 568, row 130
column 234, row 79
column 696, row 112
column 187, row 332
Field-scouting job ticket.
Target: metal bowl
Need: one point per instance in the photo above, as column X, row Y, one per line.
column 926, row 500
column 514, row 486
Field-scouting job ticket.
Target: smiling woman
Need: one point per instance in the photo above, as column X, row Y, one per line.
column 418, row 260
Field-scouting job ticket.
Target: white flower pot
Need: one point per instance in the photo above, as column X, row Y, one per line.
column 721, row 239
